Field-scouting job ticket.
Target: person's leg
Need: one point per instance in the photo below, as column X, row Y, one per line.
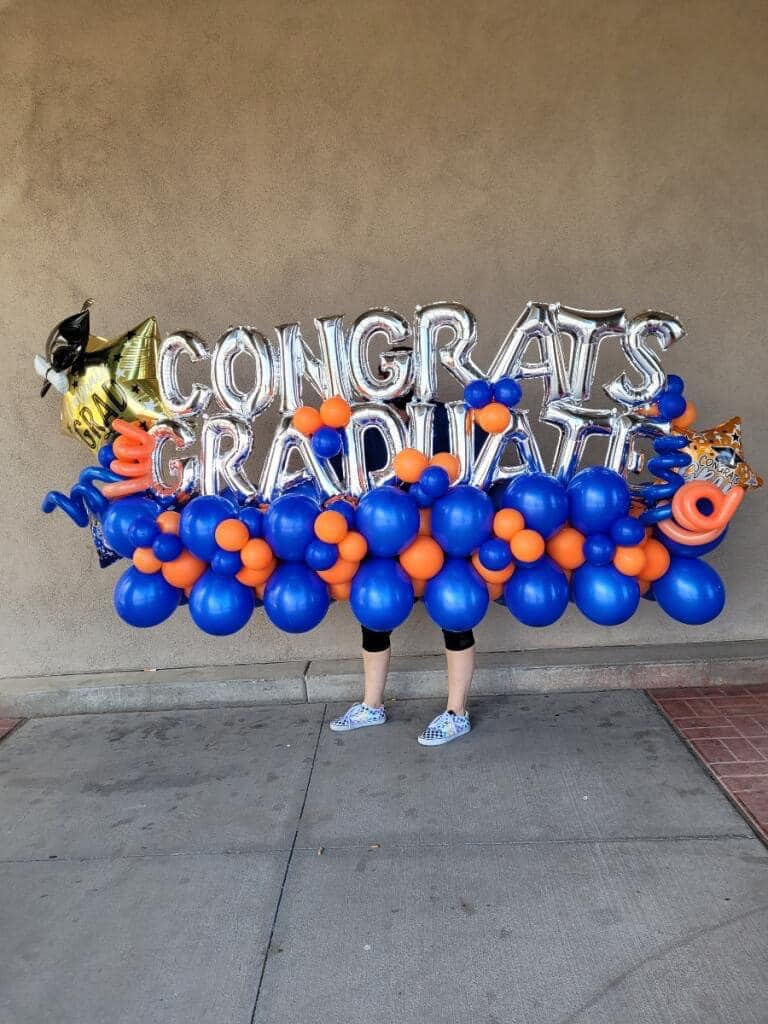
column 370, row 711
column 454, row 721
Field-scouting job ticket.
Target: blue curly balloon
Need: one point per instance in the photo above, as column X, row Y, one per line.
column 690, row 591
column 289, row 526
column 84, row 496
column 540, row 499
column 295, row 598
column 220, row 605
column 461, row 520
column 381, row 596
column 199, row 519
column 121, row 516
column 665, row 465
column 605, row 595
column 597, row 497
column 689, row 550
column 457, row 598
column 537, row 595
column 145, row 599
column 388, row 518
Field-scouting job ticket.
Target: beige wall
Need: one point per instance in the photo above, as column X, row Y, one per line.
column 257, row 162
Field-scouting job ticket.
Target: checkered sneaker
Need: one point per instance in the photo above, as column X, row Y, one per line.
column 358, row 717
column 444, row 728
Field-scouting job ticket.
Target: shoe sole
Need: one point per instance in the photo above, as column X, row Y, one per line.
column 442, row 742
column 352, row 728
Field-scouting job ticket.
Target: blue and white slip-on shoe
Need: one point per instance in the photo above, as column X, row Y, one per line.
column 446, row 727
column 359, row 716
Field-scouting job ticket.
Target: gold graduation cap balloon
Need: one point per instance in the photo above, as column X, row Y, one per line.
column 101, row 379
column 717, row 456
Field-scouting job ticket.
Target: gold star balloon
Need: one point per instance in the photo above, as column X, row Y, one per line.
column 717, row 455
column 101, row 379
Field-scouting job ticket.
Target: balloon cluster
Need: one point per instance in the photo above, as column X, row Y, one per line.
column 324, row 425
column 492, row 402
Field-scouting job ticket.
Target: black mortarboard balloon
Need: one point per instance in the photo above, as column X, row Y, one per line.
column 66, row 343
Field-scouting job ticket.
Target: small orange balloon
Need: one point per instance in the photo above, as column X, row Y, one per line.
column 567, row 548
column 253, row 577
column 260, row 588
column 448, row 462
column 307, row 420
column 168, row 522
column 409, row 464
column 629, row 560
column 340, row 572
column 527, row 546
column 507, row 522
column 353, row 547
column 183, row 571
column 645, row 586
column 257, row 554
column 657, row 560
column 341, row 591
column 492, row 575
column 335, row 412
column 493, row 418
column 145, row 561
column 422, row 559
column 687, row 419
column 419, row 586
column 232, row 535
column 425, row 522
column 495, row 590
column 331, row 527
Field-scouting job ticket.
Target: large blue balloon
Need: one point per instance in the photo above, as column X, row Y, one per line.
column 689, row 550
column 541, row 500
column 289, row 526
column 199, row 520
column 690, row 591
column 461, row 520
column 457, row 598
column 597, row 497
column 121, row 516
column 537, row 595
column 388, row 518
column 220, row 604
column 382, row 594
column 604, row 594
column 145, row 599
column 295, row 598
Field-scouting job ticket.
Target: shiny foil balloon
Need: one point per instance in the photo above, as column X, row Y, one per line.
column 717, row 455
column 238, row 342
column 643, row 358
column 394, row 377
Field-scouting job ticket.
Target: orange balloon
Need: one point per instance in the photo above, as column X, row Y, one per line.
column 254, row 577
column 232, row 535
column 492, row 575
column 448, row 462
column 419, row 586
column 409, row 464
column 340, row 591
column 630, row 560
column 567, row 548
column 688, row 418
column 307, row 420
column 495, row 590
column 335, row 412
column 657, row 560
column 257, row 554
column 331, row 527
column 168, row 522
column 507, row 522
column 260, row 588
column 183, row 571
column 353, row 547
column 422, row 559
column 528, row 545
column 645, row 586
column 145, row 561
column 341, row 572
column 425, row 522
column 493, row 418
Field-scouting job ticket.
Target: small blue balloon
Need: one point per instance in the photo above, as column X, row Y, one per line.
column 597, row 497
column 105, row 456
column 627, row 532
column 199, row 519
column 434, row 482
column 289, row 526
column 381, row 596
column 226, row 563
column 321, row 555
column 540, row 499
column 671, row 405
column 478, row 393
column 295, row 598
column 507, row 391
column 690, row 591
column 457, row 598
column 144, row 532
column 494, row 554
column 167, row 547
column 119, row 519
column 145, row 599
column 537, row 595
column 461, row 520
column 388, row 518
column 220, row 605
column 420, row 496
column 599, row 549
column 675, row 384
column 326, row 443
column 605, row 595
column 690, row 550
column 344, row 507
column 254, row 519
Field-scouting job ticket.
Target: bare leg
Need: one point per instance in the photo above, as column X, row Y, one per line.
column 461, row 665
column 375, row 669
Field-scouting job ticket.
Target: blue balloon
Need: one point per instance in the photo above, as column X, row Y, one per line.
column 461, row 520
column 382, row 594
column 420, row 496
column 597, row 497
column 627, row 532
column 494, row 554
column 540, row 499
column 690, row 591
column 434, row 482
column 507, row 391
column 388, row 518
column 121, row 516
column 675, row 383
column 457, row 598
column 320, row 555
column 295, row 598
column 289, row 526
column 145, row 599
column 326, row 442
column 167, row 547
column 220, row 605
column 671, row 405
column 478, row 393
column 106, row 456
column 605, row 595
column 538, row 595
column 143, row 532
column 199, row 520
column 226, row 563
column 254, row 519
column 345, row 508
column 599, row 549
column 689, row 550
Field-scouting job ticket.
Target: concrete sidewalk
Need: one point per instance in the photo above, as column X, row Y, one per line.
column 567, row 863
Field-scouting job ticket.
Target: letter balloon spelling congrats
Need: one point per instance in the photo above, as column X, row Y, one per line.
column 396, row 497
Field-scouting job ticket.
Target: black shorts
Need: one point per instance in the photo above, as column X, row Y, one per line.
column 375, row 640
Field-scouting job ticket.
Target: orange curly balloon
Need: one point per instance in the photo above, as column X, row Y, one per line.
column 133, row 450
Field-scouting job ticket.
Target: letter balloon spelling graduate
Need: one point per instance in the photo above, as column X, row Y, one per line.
column 203, row 520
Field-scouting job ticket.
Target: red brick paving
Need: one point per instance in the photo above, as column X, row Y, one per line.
column 727, row 728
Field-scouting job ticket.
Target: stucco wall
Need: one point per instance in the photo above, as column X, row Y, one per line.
column 264, row 161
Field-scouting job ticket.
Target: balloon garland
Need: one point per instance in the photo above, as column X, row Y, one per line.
column 376, row 516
